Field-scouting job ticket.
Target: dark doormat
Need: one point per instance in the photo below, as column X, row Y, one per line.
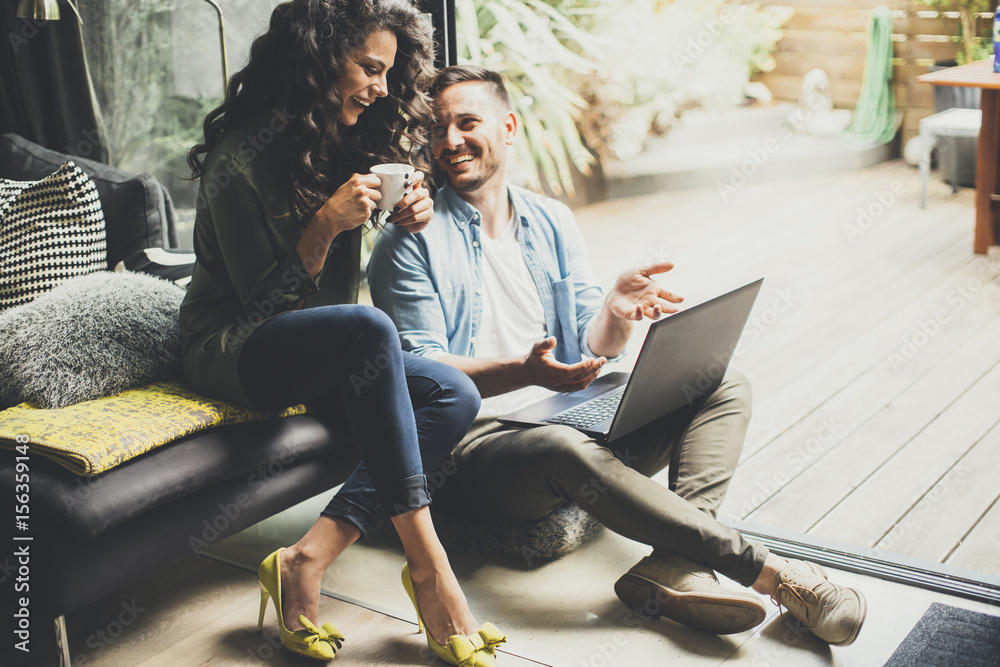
column 950, row 636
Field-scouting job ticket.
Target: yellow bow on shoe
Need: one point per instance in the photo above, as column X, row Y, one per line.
column 325, row 633
column 472, row 651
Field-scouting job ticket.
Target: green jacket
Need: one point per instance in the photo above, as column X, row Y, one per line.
column 248, row 270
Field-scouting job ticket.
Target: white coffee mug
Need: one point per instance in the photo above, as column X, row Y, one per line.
column 394, row 178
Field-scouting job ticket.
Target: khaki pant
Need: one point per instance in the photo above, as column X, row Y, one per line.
column 515, row 475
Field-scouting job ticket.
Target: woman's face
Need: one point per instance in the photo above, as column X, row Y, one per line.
column 363, row 74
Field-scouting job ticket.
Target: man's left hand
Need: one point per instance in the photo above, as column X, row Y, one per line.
column 636, row 295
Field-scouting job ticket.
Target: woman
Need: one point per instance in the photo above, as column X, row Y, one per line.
column 269, row 318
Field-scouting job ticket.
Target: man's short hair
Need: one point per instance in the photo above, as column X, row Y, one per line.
column 449, row 76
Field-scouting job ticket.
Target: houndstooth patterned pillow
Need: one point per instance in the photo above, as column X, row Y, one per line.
column 50, row 230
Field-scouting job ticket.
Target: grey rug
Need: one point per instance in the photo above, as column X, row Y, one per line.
column 950, row 636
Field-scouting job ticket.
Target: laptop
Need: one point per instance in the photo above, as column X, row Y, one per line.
column 683, row 358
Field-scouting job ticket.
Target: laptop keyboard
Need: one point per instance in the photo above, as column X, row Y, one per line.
column 590, row 412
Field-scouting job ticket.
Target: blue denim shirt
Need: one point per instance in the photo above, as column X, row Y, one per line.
column 430, row 283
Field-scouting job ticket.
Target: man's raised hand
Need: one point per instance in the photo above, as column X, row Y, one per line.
column 545, row 371
column 636, row 295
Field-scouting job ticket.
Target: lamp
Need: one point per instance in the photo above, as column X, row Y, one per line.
column 43, row 10
column 222, row 44
column 40, row 10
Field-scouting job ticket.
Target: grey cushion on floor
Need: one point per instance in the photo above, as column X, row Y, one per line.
column 562, row 532
column 92, row 336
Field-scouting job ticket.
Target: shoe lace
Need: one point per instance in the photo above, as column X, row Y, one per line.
column 806, row 597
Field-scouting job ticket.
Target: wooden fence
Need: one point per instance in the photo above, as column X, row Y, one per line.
column 832, row 35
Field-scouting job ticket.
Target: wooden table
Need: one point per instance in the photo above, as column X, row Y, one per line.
column 981, row 75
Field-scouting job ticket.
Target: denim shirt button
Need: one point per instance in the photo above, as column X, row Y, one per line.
column 479, row 291
column 475, row 244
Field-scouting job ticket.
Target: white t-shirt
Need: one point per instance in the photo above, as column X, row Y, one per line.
column 513, row 316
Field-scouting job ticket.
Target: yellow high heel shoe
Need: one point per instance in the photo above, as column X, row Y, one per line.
column 478, row 650
column 319, row 643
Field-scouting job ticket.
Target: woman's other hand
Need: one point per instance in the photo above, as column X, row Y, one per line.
column 415, row 210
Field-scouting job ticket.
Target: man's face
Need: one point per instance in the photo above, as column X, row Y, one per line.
column 470, row 135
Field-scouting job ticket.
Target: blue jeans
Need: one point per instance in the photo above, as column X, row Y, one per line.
column 406, row 412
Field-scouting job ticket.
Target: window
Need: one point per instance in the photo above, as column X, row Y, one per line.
column 157, row 71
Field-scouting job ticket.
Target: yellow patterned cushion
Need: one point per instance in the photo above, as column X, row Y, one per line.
column 93, row 436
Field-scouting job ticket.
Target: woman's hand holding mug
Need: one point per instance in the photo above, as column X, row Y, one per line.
column 352, row 204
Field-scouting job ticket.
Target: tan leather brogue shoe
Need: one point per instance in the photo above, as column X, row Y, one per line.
column 688, row 593
column 832, row 612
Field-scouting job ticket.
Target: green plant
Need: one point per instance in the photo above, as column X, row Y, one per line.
column 981, row 50
column 968, row 12
column 670, row 57
column 535, row 46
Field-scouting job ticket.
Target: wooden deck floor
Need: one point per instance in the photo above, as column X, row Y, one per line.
column 873, row 349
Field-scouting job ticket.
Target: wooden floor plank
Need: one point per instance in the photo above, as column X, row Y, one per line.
column 835, row 301
column 203, row 612
column 802, row 502
column 820, row 361
column 857, row 400
column 933, row 528
column 871, row 510
column 978, row 550
column 810, row 354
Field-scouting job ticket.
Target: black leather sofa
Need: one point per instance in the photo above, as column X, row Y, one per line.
column 95, row 535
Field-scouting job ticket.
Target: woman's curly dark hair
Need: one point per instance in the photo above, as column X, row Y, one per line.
column 295, row 66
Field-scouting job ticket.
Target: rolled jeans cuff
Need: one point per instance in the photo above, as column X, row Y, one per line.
column 406, row 495
column 351, row 513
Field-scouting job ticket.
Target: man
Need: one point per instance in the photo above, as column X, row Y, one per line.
column 499, row 286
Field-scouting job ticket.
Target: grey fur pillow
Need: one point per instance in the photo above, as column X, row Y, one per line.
column 562, row 531
column 92, row 336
